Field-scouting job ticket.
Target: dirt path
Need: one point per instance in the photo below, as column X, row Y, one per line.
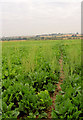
column 57, row 89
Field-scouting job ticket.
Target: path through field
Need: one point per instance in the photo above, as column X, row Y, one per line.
column 57, row 89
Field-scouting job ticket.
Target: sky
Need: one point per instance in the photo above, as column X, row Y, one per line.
column 33, row 17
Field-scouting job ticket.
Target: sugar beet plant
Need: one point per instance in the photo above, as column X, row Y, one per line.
column 30, row 71
column 69, row 101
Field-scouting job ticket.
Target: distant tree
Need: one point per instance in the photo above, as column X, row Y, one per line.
column 24, row 38
column 42, row 38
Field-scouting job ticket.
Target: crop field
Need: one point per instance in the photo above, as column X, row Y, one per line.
column 31, row 72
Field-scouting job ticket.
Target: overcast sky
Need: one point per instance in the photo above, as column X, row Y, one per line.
column 32, row 17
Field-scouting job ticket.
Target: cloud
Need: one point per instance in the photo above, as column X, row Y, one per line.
column 39, row 16
column 40, row 0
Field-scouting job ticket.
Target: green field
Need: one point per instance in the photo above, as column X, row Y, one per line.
column 30, row 72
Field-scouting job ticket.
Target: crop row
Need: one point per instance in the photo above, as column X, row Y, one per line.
column 69, row 101
column 29, row 77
